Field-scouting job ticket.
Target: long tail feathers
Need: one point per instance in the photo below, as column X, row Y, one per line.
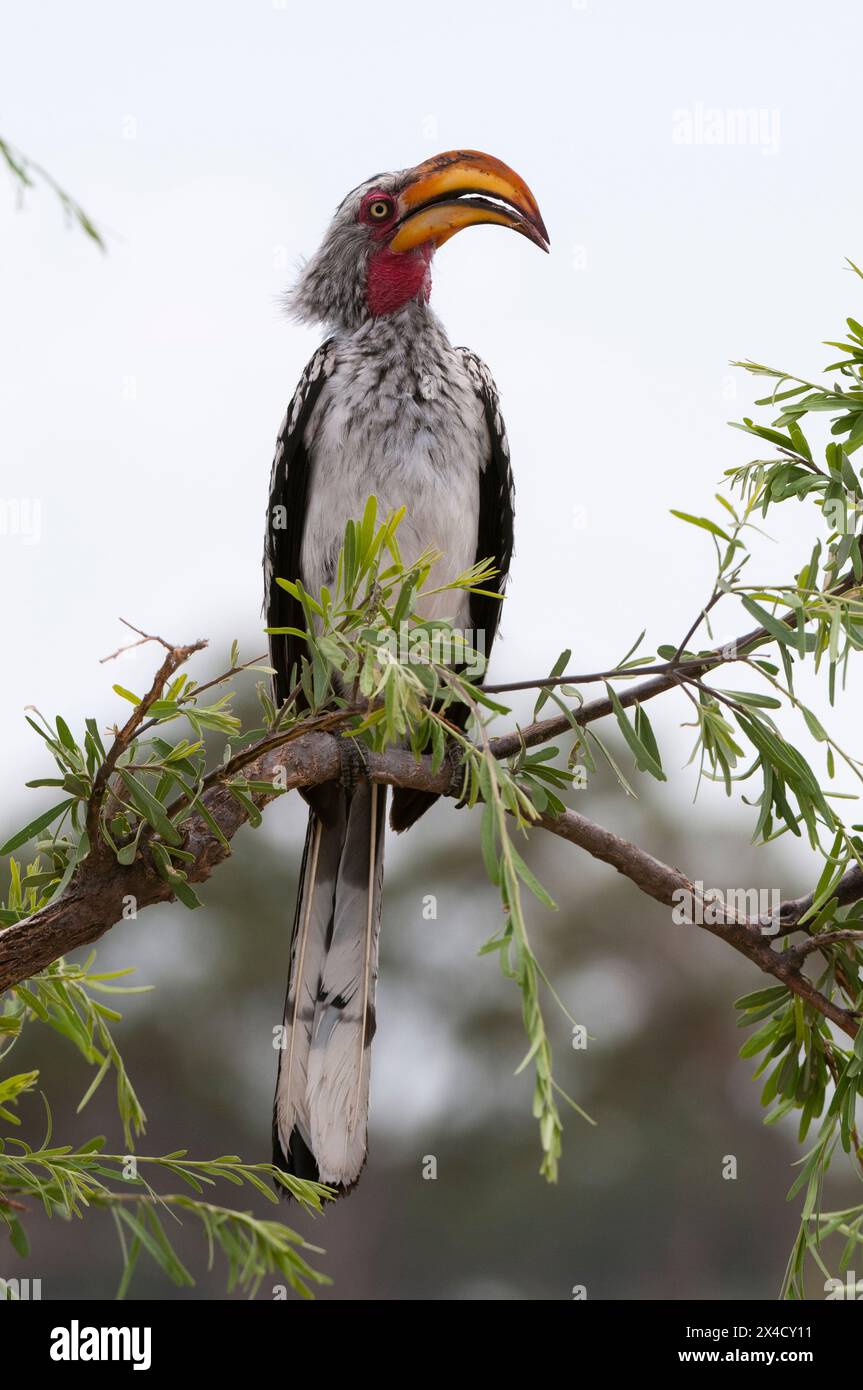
column 320, row 1114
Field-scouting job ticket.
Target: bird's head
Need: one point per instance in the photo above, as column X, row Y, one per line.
column 376, row 255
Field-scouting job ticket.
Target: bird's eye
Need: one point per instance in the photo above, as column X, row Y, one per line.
column 380, row 209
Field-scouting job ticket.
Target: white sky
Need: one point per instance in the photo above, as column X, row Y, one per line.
column 141, row 392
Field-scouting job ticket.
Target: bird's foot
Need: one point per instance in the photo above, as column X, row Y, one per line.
column 454, row 757
column 353, row 756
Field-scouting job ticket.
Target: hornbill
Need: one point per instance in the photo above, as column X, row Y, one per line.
column 387, row 407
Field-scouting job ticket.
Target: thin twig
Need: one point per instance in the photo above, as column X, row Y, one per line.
column 176, row 657
column 822, row 939
column 667, row 679
column 143, row 637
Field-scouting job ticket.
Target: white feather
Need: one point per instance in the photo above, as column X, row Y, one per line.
column 323, row 1086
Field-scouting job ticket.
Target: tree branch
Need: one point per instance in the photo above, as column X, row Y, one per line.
column 749, row 936
column 849, row 889
column 176, row 657
column 664, row 677
column 104, row 892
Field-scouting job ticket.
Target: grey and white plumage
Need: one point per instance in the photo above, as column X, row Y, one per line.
column 321, row 1105
column 386, row 406
column 399, row 417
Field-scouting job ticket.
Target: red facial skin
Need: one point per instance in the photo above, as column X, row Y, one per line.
column 394, row 277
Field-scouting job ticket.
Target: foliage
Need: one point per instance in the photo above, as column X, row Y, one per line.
column 380, row 673
column 26, row 173
column 68, row 1182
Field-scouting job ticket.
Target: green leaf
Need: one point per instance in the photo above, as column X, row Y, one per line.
column 82, row 849
column 814, row 726
column 126, row 694
column 152, row 810
column 557, row 670
column 624, row 782
column 705, row 524
column 777, row 629
column 30, row 831
column 761, row 996
column 645, row 759
column 530, row 880
column 286, row 632
column 179, row 883
column 488, row 844
column 65, row 735
column 248, row 805
column 644, row 731
column 761, row 1039
column 18, row 1237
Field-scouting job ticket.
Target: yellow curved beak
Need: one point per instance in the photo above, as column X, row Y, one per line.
column 464, row 188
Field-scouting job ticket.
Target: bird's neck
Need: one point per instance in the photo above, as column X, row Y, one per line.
column 411, row 338
column 396, row 279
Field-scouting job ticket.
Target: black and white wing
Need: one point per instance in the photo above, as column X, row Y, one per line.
column 286, row 517
column 496, row 505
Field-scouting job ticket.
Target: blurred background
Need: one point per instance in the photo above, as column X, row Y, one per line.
column 141, row 393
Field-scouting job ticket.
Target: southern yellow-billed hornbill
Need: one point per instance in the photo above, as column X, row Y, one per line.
column 386, row 406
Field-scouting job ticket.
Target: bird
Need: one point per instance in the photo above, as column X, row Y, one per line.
column 385, row 407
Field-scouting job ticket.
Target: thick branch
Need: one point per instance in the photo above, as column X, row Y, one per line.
column 660, row 881
column 848, row 890
column 103, row 891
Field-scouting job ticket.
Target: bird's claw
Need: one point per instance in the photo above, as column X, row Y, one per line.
column 355, row 764
column 454, row 756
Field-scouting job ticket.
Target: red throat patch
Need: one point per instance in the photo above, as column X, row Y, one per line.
column 395, row 277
